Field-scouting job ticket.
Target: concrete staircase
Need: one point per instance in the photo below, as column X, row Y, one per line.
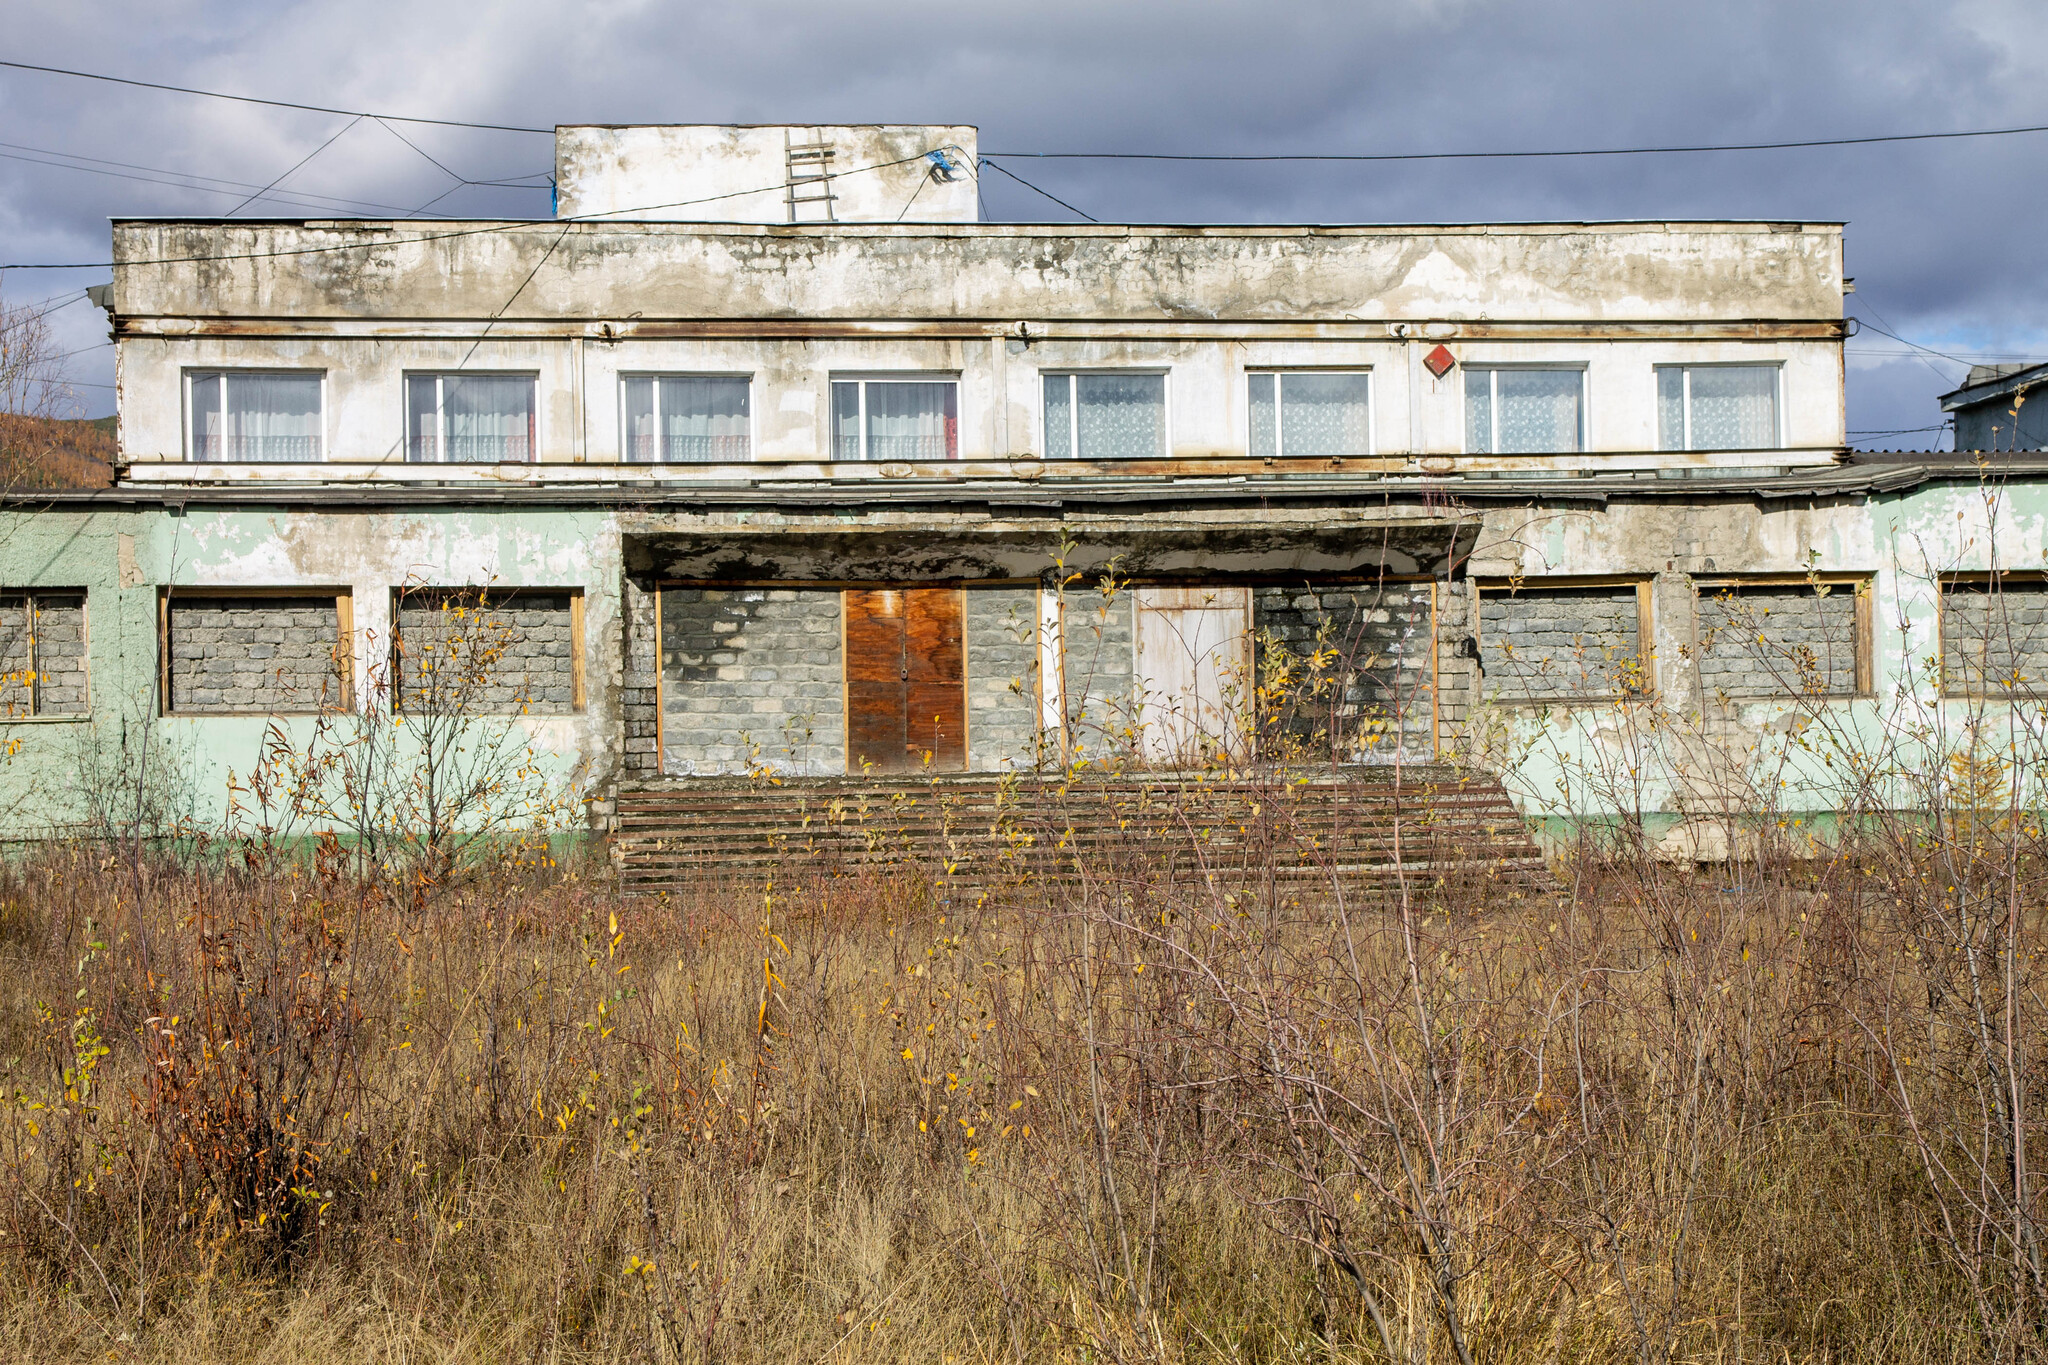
column 1364, row 831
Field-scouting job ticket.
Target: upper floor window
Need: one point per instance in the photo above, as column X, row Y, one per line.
column 1524, row 409
column 896, row 419
column 254, row 415
column 1311, row 415
column 1105, row 416
column 469, row 418
column 684, row 419
column 1717, row 407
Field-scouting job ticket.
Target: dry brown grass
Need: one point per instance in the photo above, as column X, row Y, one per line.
column 840, row 1122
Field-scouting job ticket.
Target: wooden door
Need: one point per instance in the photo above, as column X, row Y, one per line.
column 906, row 680
column 1193, row 671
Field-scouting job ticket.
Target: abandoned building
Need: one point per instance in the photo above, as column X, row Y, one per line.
column 777, row 459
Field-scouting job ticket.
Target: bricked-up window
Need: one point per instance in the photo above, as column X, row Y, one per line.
column 488, row 651
column 1546, row 641
column 42, row 654
column 1994, row 635
column 1784, row 639
column 255, row 653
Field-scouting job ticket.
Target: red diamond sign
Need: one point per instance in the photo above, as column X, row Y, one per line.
column 1440, row 361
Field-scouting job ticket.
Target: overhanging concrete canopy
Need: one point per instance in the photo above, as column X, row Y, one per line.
column 1246, row 544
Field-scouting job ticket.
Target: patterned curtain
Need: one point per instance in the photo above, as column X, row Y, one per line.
column 1121, row 416
column 1324, row 415
column 1734, row 407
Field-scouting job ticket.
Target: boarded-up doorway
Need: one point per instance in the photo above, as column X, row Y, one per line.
column 1194, row 671
column 906, row 680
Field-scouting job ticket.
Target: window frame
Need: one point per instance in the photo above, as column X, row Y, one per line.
column 343, row 599
column 579, row 693
column 35, row 714
column 861, row 379
column 1280, row 373
column 1165, row 374
column 190, row 373
column 1646, row 638
column 1865, row 638
column 440, row 378
column 625, row 436
column 1494, row 367
column 1984, row 579
column 1685, row 368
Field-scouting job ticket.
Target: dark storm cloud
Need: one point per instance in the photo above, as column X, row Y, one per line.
column 1938, row 232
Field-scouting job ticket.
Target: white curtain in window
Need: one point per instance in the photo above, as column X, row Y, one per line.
column 912, row 421
column 1265, row 423
column 704, row 420
column 1324, row 415
column 1734, row 407
column 422, row 418
column 1538, row 411
column 1120, row 416
column 488, row 417
column 697, row 419
column 643, row 434
column 846, row 421
column 261, row 417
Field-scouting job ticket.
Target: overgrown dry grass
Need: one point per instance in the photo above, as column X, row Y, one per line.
column 273, row 1113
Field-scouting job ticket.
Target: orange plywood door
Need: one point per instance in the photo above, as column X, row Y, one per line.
column 876, row 680
column 1194, row 670
column 905, row 680
column 935, row 720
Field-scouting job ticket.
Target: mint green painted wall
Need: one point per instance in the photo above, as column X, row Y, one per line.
column 1676, row 760
column 123, row 558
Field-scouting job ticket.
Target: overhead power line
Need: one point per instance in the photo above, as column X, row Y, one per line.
column 274, row 104
column 611, row 217
column 1531, row 152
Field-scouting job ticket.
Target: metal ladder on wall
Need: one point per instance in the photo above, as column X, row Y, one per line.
column 808, row 178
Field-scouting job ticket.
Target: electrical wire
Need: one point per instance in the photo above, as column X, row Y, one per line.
column 274, row 104
column 188, row 180
column 1538, row 152
column 607, row 218
column 1036, row 190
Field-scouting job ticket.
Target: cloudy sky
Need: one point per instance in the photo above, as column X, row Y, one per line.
column 1935, row 236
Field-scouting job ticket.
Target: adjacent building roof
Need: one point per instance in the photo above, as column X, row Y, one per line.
column 1988, row 383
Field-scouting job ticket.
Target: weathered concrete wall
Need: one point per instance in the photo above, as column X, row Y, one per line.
column 1002, row 677
column 507, row 653
column 243, row 656
column 1000, row 272
column 752, row 679
column 1376, row 700
column 1001, row 394
column 997, row 307
column 640, row 681
column 724, row 173
column 1766, row 641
